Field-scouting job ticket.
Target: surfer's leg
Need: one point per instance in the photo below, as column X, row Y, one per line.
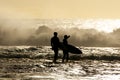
column 55, row 55
column 63, row 56
column 67, row 56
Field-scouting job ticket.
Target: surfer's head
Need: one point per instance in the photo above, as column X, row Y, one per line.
column 55, row 33
column 65, row 36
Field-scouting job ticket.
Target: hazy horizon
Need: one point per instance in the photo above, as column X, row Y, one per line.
column 102, row 25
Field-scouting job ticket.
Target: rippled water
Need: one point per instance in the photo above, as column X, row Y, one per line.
column 42, row 68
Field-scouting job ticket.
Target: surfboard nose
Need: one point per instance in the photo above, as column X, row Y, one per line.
column 81, row 52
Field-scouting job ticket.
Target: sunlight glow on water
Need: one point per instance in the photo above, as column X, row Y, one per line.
column 108, row 77
column 101, row 50
column 41, row 77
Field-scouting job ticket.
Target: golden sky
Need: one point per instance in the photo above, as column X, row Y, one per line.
column 52, row 9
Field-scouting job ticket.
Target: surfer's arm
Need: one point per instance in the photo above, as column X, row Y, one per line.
column 68, row 36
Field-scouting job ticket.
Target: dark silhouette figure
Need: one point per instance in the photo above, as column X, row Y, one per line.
column 55, row 44
column 65, row 52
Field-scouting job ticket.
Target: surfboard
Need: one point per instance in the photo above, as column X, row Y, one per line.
column 70, row 48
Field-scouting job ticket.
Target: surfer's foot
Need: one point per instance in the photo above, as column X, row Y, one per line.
column 63, row 61
column 66, row 60
column 54, row 62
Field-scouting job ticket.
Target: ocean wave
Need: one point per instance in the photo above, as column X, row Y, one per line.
column 45, row 52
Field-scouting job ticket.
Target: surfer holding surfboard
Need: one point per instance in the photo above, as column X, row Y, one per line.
column 67, row 48
column 65, row 52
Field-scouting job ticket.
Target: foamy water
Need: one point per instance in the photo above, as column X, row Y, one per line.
column 39, row 67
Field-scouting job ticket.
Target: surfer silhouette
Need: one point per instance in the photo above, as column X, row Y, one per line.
column 55, row 44
column 65, row 52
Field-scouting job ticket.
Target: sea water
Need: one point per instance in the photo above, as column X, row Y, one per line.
column 96, row 63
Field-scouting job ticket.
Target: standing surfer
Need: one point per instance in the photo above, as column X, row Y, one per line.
column 55, row 44
column 65, row 52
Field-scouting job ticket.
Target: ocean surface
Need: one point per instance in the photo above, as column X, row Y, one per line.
column 35, row 63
